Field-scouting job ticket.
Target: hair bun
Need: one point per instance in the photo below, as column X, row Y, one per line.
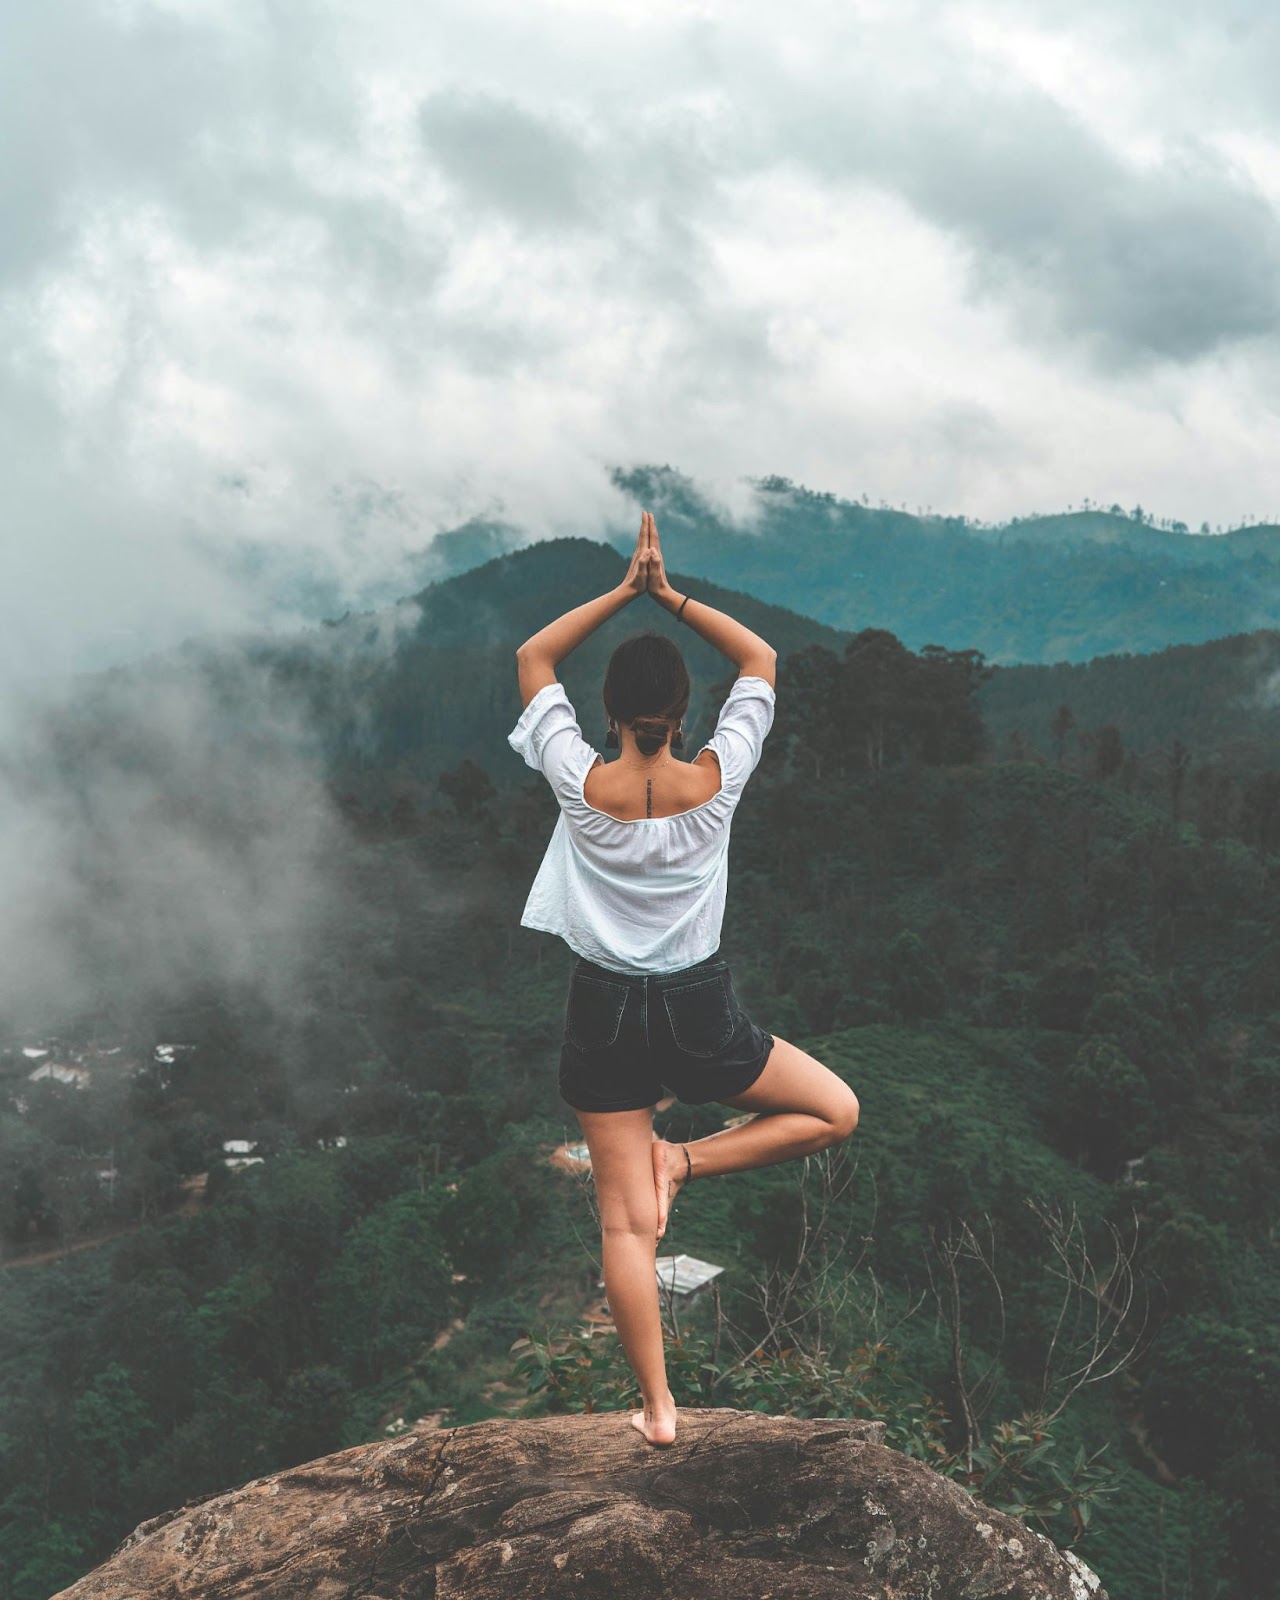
column 650, row 733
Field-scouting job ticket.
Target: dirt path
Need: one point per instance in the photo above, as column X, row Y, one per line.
column 41, row 1258
column 193, row 1189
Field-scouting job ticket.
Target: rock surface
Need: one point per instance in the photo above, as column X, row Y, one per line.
column 741, row 1507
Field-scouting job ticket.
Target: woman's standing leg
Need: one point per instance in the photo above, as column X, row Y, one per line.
column 621, row 1146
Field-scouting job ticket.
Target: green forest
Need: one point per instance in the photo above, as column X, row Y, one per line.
column 1046, row 956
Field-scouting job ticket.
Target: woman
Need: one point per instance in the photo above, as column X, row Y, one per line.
column 634, row 882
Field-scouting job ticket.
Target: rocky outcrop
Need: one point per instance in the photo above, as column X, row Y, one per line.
column 741, row 1507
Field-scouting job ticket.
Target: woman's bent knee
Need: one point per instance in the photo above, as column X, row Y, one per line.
column 844, row 1117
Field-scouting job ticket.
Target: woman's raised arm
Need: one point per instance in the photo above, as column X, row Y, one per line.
column 748, row 651
column 538, row 656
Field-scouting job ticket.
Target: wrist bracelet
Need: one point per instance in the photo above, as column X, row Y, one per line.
column 683, row 604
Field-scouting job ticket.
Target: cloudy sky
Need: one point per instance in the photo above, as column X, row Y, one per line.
column 290, row 285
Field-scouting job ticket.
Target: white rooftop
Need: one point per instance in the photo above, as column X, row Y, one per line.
column 63, row 1074
column 167, row 1052
column 684, row 1274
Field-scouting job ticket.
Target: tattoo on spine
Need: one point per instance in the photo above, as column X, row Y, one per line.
column 648, row 797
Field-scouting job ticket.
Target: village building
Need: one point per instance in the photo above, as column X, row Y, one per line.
column 78, row 1077
column 684, row 1276
column 237, row 1153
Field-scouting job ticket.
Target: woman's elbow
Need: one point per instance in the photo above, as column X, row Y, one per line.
column 763, row 663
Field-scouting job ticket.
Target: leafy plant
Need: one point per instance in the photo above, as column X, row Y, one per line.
column 1014, row 1471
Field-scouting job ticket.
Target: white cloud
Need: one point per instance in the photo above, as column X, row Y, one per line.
column 320, row 282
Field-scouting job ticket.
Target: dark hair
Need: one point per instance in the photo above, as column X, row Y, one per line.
column 647, row 685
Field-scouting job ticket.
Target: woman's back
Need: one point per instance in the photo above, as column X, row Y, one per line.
column 627, row 793
column 637, row 892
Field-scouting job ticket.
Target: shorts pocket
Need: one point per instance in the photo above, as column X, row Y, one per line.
column 702, row 1015
column 593, row 1015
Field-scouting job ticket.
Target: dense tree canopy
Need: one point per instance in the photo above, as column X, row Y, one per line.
column 1047, row 972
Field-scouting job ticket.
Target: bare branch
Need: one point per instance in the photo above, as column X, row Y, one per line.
column 793, row 1302
column 1109, row 1342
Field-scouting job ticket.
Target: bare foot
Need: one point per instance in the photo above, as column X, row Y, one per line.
column 668, row 1174
column 657, row 1422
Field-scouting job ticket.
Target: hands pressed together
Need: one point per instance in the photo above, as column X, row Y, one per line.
column 647, row 574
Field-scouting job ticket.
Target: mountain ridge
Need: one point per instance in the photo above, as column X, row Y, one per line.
column 1062, row 586
column 430, row 680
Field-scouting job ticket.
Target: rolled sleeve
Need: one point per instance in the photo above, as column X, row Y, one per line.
column 744, row 721
column 549, row 740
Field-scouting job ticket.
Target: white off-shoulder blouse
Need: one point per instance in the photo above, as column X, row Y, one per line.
column 645, row 895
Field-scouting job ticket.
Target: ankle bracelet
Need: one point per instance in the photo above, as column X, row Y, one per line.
column 688, row 1165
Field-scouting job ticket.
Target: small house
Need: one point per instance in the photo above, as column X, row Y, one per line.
column 684, row 1276
column 237, row 1153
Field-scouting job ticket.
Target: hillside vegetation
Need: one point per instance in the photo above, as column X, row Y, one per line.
column 1053, row 981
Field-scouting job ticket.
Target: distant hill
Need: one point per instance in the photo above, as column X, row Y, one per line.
column 1036, row 590
column 1061, row 587
column 1119, row 530
column 400, row 694
column 1221, row 699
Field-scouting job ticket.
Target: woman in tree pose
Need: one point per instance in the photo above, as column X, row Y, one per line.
column 634, row 881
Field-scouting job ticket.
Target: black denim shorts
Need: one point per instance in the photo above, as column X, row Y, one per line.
column 626, row 1037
